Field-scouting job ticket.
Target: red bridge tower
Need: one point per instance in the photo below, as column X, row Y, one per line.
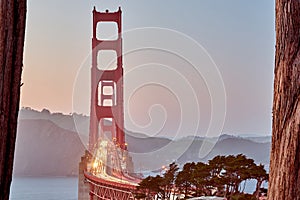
column 107, row 107
column 106, row 117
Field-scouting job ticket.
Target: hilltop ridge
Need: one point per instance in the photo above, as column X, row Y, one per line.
column 49, row 145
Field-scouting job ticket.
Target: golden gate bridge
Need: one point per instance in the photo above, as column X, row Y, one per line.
column 106, row 169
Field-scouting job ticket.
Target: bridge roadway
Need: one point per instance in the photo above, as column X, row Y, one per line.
column 103, row 186
column 115, row 185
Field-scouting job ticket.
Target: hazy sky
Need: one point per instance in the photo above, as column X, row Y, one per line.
column 238, row 35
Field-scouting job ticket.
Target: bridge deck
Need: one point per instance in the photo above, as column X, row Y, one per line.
column 120, row 184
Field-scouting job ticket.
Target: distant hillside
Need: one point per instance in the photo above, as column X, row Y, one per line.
column 262, row 139
column 44, row 149
column 47, row 145
column 260, row 152
column 64, row 121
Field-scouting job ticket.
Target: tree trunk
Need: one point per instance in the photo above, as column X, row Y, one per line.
column 257, row 188
column 284, row 183
column 12, row 31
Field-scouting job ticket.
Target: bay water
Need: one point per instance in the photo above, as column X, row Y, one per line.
column 44, row 188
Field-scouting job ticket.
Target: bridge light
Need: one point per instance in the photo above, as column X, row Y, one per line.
column 95, row 164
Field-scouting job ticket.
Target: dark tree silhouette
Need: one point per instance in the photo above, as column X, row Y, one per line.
column 217, row 179
column 197, row 179
column 184, row 178
column 149, row 187
column 259, row 173
column 169, row 179
column 284, row 182
column 200, row 178
column 12, row 31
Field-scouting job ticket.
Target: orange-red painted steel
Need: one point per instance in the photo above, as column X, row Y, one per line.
column 112, row 78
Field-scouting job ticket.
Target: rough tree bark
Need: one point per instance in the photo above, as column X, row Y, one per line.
column 284, row 182
column 12, row 31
